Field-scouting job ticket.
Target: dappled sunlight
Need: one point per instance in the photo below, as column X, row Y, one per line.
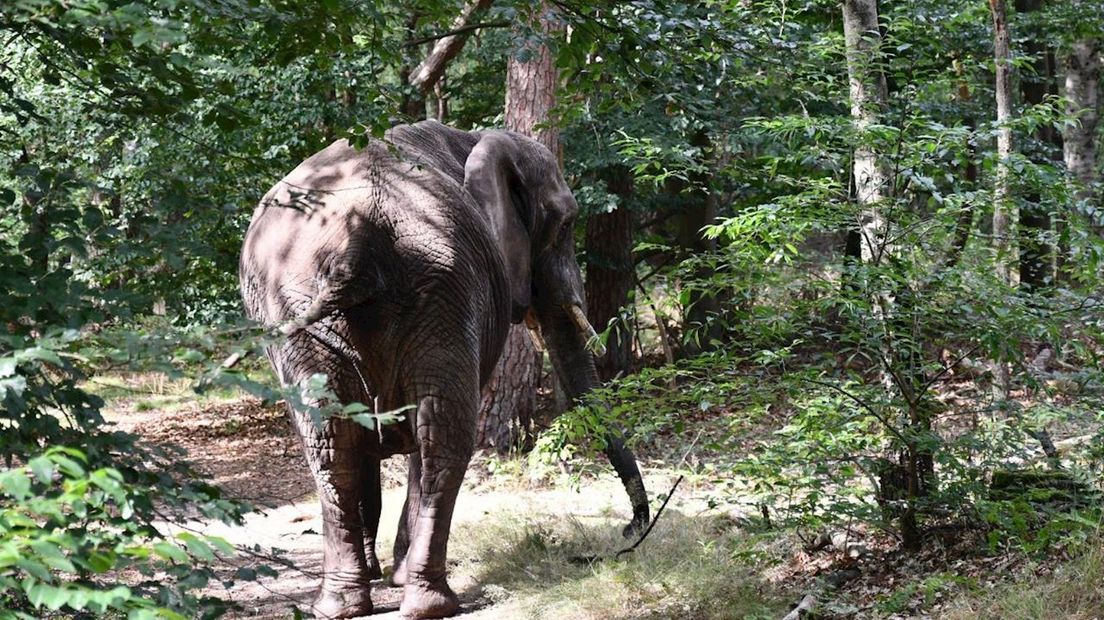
column 546, row 565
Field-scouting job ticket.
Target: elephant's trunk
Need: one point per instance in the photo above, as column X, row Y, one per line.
column 574, row 365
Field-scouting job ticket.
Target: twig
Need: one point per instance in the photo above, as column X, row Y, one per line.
column 659, row 513
column 456, row 31
column 860, row 402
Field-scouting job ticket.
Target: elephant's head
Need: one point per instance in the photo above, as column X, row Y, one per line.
column 532, row 212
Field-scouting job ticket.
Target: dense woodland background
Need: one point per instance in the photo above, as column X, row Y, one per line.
column 847, row 256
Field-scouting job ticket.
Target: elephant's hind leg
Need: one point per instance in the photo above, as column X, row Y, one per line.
column 333, row 454
column 446, row 438
column 370, row 506
column 402, row 534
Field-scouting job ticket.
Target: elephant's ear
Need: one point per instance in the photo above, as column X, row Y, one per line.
column 491, row 176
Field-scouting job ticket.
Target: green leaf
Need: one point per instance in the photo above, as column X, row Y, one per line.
column 367, row 420
column 15, row 483
column 101, row 561
column 45, row 595
column 197, row 547
column 170, row 552
column 52, row 556
column 43, row 468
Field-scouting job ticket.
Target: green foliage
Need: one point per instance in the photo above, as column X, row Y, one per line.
column 67, row 531
column 861, row 368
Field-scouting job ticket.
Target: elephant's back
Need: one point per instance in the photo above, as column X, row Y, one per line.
column 363, row 225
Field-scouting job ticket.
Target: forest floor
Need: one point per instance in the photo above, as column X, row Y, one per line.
column 540, row 548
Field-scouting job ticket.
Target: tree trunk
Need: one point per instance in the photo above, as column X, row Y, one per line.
column 610, row 274
column 700, row 326
column 1036, row 252
column 868, row 101
column 530, row 96
column 510, row 396
column 531, row 88
column 1004, row 210
column 1082, row 87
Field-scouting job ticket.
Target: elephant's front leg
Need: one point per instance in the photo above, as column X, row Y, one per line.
column 446, row 439
column 335, row 456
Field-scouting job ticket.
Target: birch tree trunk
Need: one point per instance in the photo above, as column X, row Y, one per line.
column 1004, row 210
column 868, row 100
column 1082, row 88
column 510, row 397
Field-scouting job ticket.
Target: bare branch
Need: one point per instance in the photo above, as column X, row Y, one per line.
column 456, row 31
column 425, row 75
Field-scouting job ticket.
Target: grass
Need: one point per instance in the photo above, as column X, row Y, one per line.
column 150, row 391
column 689, row 567
column 1074, row 591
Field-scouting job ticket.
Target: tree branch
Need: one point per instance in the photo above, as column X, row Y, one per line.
column 447, row 47
column 456, row 31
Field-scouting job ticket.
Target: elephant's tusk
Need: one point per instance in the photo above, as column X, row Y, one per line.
column 534, row 332
column 593, row 341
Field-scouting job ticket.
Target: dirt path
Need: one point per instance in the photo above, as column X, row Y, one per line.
column 250, row 451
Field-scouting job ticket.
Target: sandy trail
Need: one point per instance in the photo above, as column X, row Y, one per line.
column 251, row 452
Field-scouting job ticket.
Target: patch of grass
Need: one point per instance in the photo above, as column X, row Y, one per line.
column 1075, row 591
column 689, row 567
column 150, row 391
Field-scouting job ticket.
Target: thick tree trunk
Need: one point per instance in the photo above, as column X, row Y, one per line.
column 509, row 398
column 610, row 274
column 868, row 101
column 531, row 88
column 530, row 96
column 1082, row 88
column 1004, row 210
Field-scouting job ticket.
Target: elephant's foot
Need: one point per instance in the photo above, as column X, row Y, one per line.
column 374, row 569
column 398, row 576
column 428, row 600
column 343, row 600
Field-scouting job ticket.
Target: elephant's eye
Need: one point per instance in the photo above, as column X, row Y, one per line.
column 566, row 232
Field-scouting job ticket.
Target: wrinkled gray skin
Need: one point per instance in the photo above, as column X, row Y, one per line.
column 396, row 270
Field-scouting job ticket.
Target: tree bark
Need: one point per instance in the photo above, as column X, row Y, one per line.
column 1082, row 88
column 610, row 274
column 868, row 92
column 531, row 87
column 1036, row 252
column 530, row 96
column 1004, row 210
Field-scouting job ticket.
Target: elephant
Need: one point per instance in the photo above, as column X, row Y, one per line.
column 397, row 269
